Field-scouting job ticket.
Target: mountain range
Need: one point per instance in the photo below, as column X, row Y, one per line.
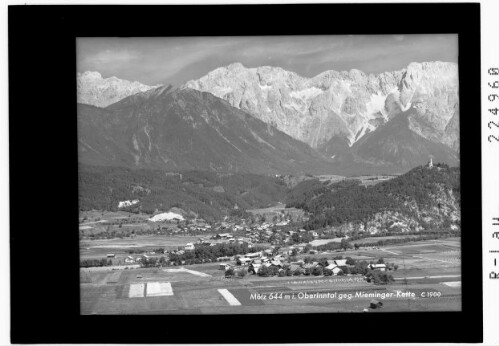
column 346, row 104
column 268, row 120
column 101, row 92
column 178, row 130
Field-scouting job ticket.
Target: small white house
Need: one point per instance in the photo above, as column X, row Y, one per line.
column 378, row 266
column 224, row 266
column 243, row 260
column 341, row 262
column 124, row 204
column 334, row 268
column 189, row 247
column 129, row 259
column 253, row 255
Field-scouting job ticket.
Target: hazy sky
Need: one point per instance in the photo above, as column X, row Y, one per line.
column 177, row 60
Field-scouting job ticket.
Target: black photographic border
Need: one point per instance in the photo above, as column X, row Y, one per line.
column 44, row 172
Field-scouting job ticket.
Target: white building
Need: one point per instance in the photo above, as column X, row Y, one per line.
column 124, row 204
column 334, row 268
column 166, row 217
column 378, row 266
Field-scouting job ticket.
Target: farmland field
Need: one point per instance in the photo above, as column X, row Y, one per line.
column 421, row 284
column 318, row 242
column 100, row 247
column 143, row 241
column 376, row 239
column 331, row 178
column 276, row 210
column 374, row 179
column 88, row 217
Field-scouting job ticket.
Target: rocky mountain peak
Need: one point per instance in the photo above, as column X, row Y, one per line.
column 89, row 75
column 235, row 66
column 93, row 89
column 348, row 103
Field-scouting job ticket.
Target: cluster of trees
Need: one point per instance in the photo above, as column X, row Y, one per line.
column 274, row 270
column 330, row 234
column 142, row 250
column 384, row 242
column 420, row 183
column 349, row 201
column 95, row 263
column 206, row 252
column 120, row 233
column 287, row 271
column 344, row 244
column 154, row 262
column 303, row 237
column 379, row 278
column 352, row 267
column 361, row 268
column 303, row 192
column 238, row 273
column 209, row 194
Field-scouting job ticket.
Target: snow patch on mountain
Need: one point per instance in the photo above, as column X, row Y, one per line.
column 223, row 90
column 305, row 94
column 377, row 104
column 315, row 109
column 406, row 107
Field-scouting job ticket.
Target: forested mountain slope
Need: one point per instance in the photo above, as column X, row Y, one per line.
column 423, row 198
column 209, row 195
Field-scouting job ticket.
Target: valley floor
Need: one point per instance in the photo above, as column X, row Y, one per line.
column 428, row 279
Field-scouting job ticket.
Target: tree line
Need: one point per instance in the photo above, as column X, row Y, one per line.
column 103, row 262
column 209, row 194
column 348, row 201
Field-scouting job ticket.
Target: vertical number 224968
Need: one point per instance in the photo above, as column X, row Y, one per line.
column 493, row 99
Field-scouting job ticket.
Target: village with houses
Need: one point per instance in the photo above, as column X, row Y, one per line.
column 265, row 258
column 276, row 242
column 242, row 260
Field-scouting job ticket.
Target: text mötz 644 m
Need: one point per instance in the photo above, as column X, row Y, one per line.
column 341, row 296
